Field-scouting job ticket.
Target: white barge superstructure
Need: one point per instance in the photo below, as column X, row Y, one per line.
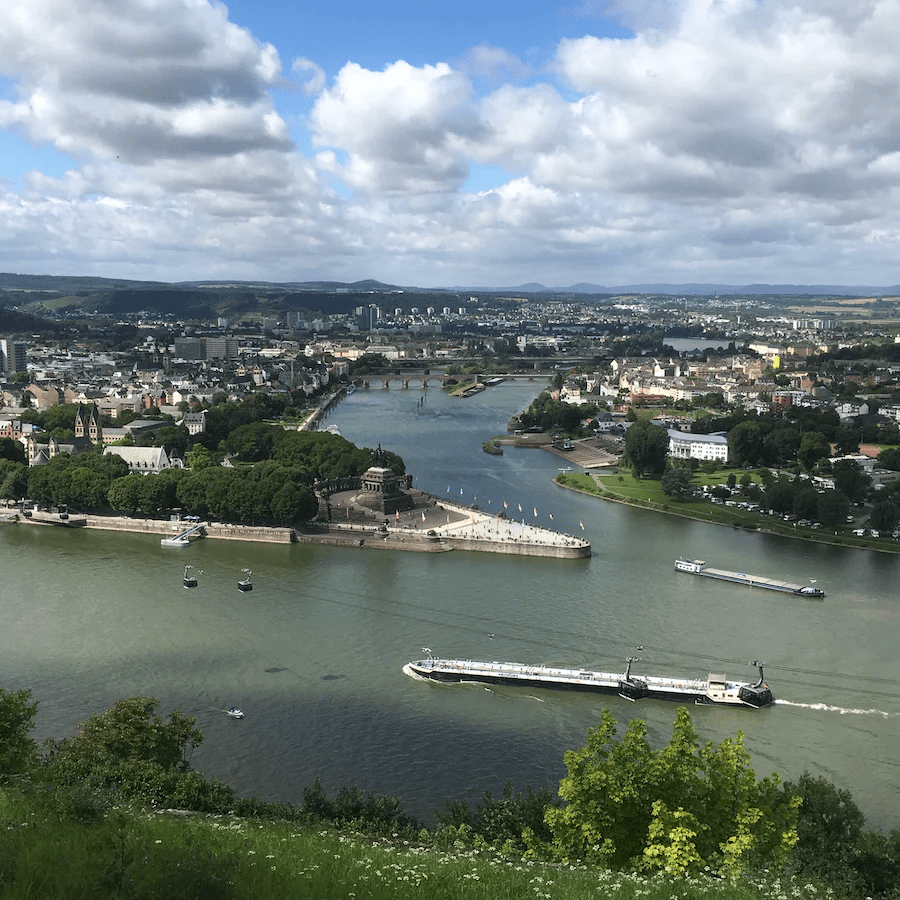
column 713, row 690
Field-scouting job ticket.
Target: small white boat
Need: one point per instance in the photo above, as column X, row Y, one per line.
column 234, row 712
column 189, row 581
column 246, row 584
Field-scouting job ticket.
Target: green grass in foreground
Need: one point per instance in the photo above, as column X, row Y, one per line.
column 171, row 857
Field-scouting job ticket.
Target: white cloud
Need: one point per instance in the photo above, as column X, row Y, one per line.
column 315, row 75
column 493, row 64
column 403, row 130
column 138, row 80
column 728, row 140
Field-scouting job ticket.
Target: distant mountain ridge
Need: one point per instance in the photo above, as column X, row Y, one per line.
column 90, row 283
column 844, row 290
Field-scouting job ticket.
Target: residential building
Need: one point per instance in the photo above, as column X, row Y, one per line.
column 13, row 356
column 683, row 445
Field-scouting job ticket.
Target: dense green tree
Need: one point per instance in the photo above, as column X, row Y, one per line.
column 199, row 457
column 813, row 447
column 293, row 503
column 806, row 501
column 885, row 515
column 502, row 821
column 833, row 508
column 12, row 450
column 324, row 456
column 81, row 481
column 889, row 458
column 889, row 433
column 829, row 828
column 253, row 442
column 159, row 493
column 18, row 750
column 124, row 494
column 129, row 748
column 550, row 414
column 781, row 444
column 678, row 809
column 175, row 438
column 60, row 417
column 646, row 446
column 847, row 440
column 779, row 496
column 850, row 479
column 745, row 444
column 676, row 482
column 13, row 479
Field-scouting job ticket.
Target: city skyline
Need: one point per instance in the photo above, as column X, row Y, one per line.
column 632, row 141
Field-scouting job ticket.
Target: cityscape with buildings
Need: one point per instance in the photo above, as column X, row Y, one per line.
column 758, row 353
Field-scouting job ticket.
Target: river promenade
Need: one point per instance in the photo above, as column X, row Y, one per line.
column 433, row 525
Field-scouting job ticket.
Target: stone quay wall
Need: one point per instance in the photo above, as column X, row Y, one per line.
column 167, row 528
column 139, row 526
column 553, row 551
column 252, row 533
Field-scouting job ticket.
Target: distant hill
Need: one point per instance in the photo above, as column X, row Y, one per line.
column 694, row 289
column 13, row 322
column 34, row 296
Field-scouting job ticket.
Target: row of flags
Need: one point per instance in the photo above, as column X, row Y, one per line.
column 506, row 506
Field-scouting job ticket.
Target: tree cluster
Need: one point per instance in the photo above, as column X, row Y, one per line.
column 271, row 482
column 646, row 447
column 795, row 435
column 554, row 415
column 684, row 808
column 679, row 809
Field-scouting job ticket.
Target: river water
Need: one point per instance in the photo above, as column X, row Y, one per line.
column 314, row 654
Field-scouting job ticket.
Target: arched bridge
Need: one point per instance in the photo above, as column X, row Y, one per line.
column 419, row 379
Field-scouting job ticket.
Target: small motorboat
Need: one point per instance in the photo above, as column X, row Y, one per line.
column 234, row 712
column 189, row 580
column 246, row 584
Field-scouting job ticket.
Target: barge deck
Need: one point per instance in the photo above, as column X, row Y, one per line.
column 714, row 690
column 699, row 567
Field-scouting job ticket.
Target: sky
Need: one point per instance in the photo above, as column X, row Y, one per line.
column 466, row 144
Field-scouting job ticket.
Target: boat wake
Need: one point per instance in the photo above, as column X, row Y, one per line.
column 842, row 710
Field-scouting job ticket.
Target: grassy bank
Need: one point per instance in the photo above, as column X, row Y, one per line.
column 647, row 493
column 132, row 854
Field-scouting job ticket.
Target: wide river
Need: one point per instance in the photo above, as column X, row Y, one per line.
column 314, row 654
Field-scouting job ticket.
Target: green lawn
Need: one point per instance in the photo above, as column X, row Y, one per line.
column 647, row 493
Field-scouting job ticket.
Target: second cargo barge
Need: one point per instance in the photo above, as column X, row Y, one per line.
column 699, row 567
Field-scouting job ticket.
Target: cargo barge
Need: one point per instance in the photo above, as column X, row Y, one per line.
column 714, row 690
column 699, row 567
